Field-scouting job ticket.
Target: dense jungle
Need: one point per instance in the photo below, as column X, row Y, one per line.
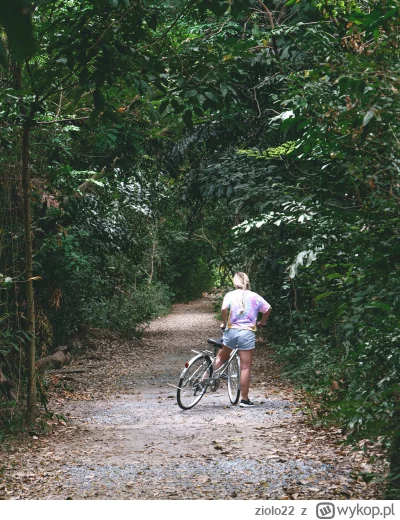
column 150, row 149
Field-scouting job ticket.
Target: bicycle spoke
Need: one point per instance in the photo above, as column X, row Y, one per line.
column 191, row 388
column 234, row 380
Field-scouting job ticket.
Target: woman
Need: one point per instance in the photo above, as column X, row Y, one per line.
column 240, row 310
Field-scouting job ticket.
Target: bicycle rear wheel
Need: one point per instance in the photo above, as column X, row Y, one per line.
column 234, row 380
column 190, row 388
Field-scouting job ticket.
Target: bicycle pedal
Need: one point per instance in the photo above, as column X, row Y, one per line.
column 223, row 376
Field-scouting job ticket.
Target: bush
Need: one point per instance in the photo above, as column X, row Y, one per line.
column 130, row 309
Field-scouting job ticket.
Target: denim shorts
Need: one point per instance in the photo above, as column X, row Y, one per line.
column 239, row 338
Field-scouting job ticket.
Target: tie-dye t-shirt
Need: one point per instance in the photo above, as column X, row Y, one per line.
column 244, row 315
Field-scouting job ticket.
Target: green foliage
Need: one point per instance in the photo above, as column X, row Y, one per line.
column 130, row 310
column 188, row 271
column 316, row 221
column 174, row 144
column 15, row 18
column 270, row 153
column 11, row 420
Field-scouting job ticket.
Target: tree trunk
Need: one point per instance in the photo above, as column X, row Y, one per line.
column 30, row 304
column 152, row 255
column 58, row 359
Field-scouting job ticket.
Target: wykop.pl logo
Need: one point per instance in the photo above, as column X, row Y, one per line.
column 325, row 510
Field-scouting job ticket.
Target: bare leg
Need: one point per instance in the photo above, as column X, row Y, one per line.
column 220, row 359
column 246, row 357
column 222, row 356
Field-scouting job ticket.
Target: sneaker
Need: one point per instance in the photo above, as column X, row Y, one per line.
column 246, row 404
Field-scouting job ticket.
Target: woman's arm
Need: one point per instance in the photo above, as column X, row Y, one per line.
column 225, row 314
column 264, row 318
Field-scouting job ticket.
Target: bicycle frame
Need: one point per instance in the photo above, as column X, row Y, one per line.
column 219, row 372
column 200, row 376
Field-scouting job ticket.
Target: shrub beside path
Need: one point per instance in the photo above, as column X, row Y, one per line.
column 125, row 437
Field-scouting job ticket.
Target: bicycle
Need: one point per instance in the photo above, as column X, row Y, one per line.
column 199, row 375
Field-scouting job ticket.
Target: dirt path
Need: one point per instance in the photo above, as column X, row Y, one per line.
column 126, row 437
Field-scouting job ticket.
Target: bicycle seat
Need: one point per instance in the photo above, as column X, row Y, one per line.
column 217, row 342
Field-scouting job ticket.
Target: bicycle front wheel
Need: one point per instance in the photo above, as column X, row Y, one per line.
column 234, row 380
column 191, row 388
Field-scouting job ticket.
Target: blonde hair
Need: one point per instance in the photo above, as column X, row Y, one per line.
column 241, row 281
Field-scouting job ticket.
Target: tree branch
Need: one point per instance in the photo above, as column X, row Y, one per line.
column 203, row 237
column 272, row 23
column 68, row 120
column 109, row 27
column 87, row 184
column 164, row 34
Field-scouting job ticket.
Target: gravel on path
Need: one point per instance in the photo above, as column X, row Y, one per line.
column 125, row 436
